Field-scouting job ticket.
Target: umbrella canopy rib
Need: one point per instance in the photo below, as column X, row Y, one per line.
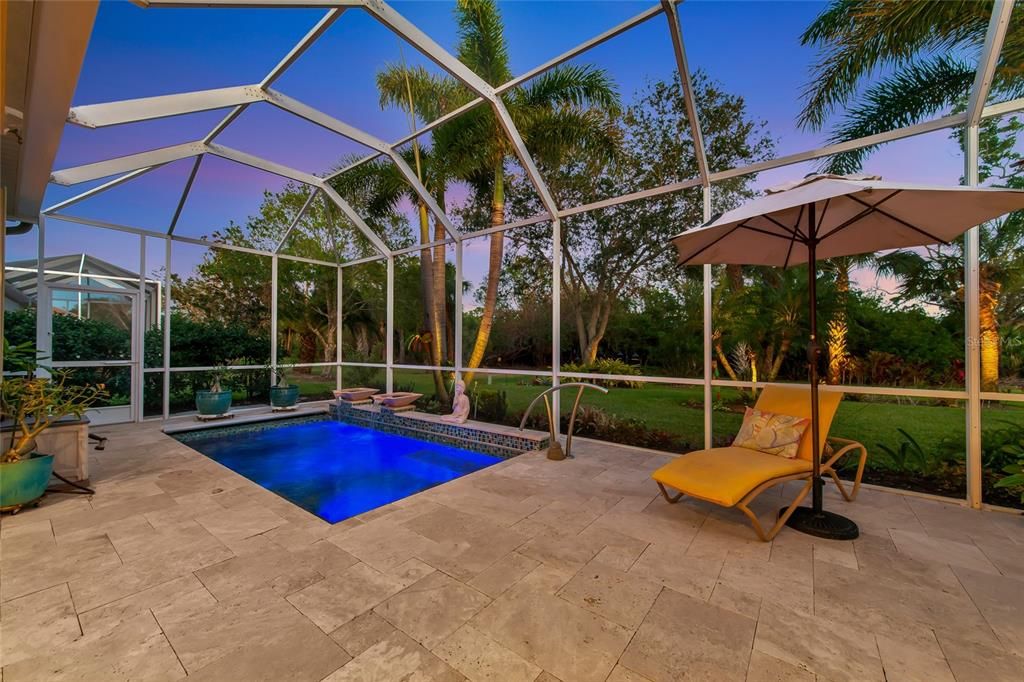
column 795, row 231
column 860, row 216
column 902, row 222
column 704, row 248
column 789, row 251
column 790, row 234
column 821, row 218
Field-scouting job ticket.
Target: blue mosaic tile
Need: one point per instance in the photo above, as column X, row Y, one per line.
column 462, row 435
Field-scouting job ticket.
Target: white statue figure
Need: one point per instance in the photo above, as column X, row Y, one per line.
column 460, row 405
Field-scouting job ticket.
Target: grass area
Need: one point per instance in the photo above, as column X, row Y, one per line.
column 678, row 410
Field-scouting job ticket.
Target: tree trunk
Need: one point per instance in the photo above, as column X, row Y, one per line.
column 450, row 316
column 596, row 330
column 581, row 326
column 773, row 372
column 497, row 243
column 987, row 312
column 734, row 275
column 362, row 335
column 590, row 351
column 328, row 342
column 838, row 326
column 426, row 269
column 438, row 318
column 722, row 359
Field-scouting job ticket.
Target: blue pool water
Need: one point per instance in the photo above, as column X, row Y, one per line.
column 337, row 470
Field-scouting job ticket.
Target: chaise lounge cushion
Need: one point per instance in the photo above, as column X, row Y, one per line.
column 725, row 475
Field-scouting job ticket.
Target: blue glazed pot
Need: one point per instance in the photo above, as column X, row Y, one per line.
column 210, row 403
column 284, row 396
column 24, row 481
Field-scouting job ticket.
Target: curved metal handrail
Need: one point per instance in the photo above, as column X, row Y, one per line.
column 555, row 449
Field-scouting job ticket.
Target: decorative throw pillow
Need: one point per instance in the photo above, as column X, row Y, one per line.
column 776, row 434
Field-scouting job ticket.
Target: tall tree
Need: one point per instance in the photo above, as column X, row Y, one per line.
column 390, row 190
column 930, row 48
column 562, row 112
column 615, row 254
column 936, row 276
column 425, row 97
column 838, row 329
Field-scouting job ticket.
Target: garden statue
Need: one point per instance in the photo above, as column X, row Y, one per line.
column 460, row 405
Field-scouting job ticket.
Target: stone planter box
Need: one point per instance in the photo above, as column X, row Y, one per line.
column 68, row 441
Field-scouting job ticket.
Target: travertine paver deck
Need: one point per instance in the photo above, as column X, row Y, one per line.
column 529, row 570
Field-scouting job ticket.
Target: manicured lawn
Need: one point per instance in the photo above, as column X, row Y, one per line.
column 678, row 410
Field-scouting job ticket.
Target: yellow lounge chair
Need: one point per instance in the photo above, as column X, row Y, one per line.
column 734, row 477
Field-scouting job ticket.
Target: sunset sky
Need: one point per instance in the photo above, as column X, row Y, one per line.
column 750, row 48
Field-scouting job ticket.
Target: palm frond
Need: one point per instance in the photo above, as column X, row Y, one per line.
column 482, row 45
column 856, row 37
column 577, row 85
column 559, row 135
column 909, row 96
column 432, row 95
column 471, row 143
column 374, row 188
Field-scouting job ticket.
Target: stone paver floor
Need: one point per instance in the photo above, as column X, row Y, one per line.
column 529, row 570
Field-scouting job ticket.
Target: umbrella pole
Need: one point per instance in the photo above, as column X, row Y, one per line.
column 815, row 520
column 813, row 353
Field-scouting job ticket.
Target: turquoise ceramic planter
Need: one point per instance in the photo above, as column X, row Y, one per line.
column 284, row 396
column 211, row 403
column 24, row 481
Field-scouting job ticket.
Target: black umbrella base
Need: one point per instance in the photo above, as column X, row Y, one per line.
column 822, row 524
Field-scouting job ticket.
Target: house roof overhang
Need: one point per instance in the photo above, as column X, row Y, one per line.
column 44, row 44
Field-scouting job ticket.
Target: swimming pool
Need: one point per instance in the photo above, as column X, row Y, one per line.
column 332, row 469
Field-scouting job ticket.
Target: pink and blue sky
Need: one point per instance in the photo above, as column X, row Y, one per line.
column 751, row 48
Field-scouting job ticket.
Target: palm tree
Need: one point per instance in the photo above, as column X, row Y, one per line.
column 765, row 313
column 387, row 188
column 838, row 328
column 565, row 110
column 426, row 97
column 931, row 47
column 937, row 276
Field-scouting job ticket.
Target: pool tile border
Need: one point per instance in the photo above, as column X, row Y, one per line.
column 192, row 435
column 488, row 439
column 499, row 441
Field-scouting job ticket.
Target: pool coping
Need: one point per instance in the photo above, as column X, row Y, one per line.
column 243, row 419
column 494, row 439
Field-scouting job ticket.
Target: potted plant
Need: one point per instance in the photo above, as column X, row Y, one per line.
column 214, row 401
column 283, row 394
column 33, row 404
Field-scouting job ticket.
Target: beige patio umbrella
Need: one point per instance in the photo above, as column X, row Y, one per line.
column 827, row 216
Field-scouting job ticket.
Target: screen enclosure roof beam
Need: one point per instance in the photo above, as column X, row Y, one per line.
column 412, row 34
column 124, row 164
column 162, row 106
column 134, row 162
column 100, row 189
column 679, row 51
column 989, row 59
column 129, row 111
